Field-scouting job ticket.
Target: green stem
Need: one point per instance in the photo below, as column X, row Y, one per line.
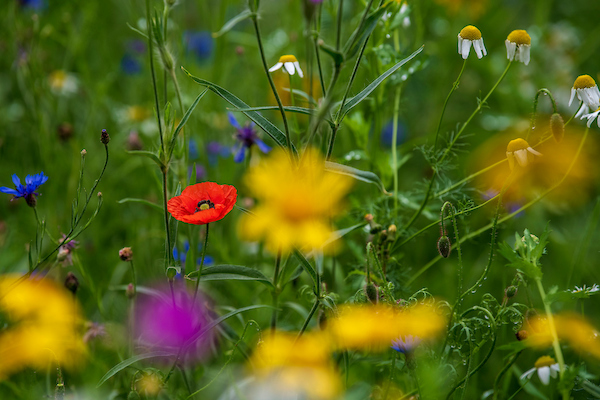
column 199, row 276
column 535, row 105
column 394, row 148
column 271, row 83
column 502, row 372
column 338, row 36
column 166, row 215
column 275, row 290
column 454, row 87
column 151, row 56
column 314, row 309
column 391, row 377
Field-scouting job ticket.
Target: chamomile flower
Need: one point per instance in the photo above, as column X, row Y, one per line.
column 470, row 35
column 519, row 149
column 587, row 91
column 518, row 45
column 290, row 65
column 546, row 367
column 585, row 289
column 591, row 117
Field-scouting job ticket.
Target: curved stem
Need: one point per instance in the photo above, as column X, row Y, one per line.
column 502, row 372
column 535, row 104
column 454, row 87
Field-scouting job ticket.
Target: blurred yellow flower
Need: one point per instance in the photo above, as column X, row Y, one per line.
column 296, row 200
column 571, row 328
column 62, row 82
column 376, row 326
column 302, row 366
column 40, row 325
column 137, row 113
column 150, row 384
column 520, row 150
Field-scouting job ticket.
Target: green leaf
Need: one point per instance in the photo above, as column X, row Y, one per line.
column 233, row 22
column 149, row 154
column 266, row 125
column 373, row 85
column 362, row 33
column 183, row 121
column 231, row 272
column 126, row 363
column 307, row 266
column 338, row 57
column 146, row 202
column 365, row 176
column 299, row 110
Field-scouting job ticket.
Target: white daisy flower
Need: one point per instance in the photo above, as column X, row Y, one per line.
column 520, row 150
column 591, row 117
column 584, row 289
column 62, row 82
column 546, row 367
column 290, row 65
column 467, row 36
column 518, row 44
column 587, row 91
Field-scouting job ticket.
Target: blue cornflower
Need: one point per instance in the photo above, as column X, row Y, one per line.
column 247, row 136
column 405, row 344
column 130, row 65
column 181, row 257
column 36, row 5
column 32, row 182
column 201, row 44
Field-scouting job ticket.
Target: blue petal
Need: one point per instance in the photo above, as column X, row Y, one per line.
column 240, row 155
column 6, row 190
column 186, row 246
column 262, row 146
column 233, row 121
column 16, row 180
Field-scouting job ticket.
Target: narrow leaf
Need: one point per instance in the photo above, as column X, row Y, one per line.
column 233, row 22
column 134, row 200
column 231, row 272
column 306, row 265
column 126, row 363
column 365, row 176
column 184, row 120
column 363, row 32
column 373, row 85
column 149, row 154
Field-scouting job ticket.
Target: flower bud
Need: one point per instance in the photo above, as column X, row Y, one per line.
column 392, row 229
column 126, row 254
column 172, row 272
column 369, row 217
column 375, row 228
column 372, row 293
column 63, row 254
column 522, row 335
column 104, row 137
column 65, row 131
column 71, row 282
column 130, row 291
column 83, row 153
column 511, row 291
column 557, row 126
column 444, row 246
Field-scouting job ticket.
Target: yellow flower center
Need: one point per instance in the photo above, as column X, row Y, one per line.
column 519, row 36
column 517, row 144
column 544, row 361
column 584, row 82
column 470, row 32
column 287, row 58
column 204, row 205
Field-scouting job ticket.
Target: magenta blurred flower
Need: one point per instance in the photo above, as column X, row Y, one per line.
column 173, row 322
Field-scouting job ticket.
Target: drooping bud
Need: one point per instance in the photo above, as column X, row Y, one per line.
column 71, row 283
column 444, row 246
column 557, row 126
column 65, row 131
column 522, row 335
column 126, row 254
column 130, row 291
column 104, row 137
column 372, row 292
column 172, row 273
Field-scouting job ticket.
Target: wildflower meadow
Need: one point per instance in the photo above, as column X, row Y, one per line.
column 299, row 199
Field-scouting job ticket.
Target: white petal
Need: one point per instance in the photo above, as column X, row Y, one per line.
column 527, row 374
column 582, row 111
column 573, row 91
column 466, row 48
column 544, row 374
column 275, row 67
column 521, row 156
column 477, row 48
column 554, row 370
column 511, row 160
column 297, row 65
column 526, row 53
column 510, row 50
column 483, row 47
column 289, row 68
column 532, row 151
column 460, row 40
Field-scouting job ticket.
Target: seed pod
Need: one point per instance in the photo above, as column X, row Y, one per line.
column 372, row 293
column 71, row 282
column 444, row 246
column 557, row 126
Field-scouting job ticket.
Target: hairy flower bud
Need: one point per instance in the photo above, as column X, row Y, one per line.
column 126, row 254
column 104, row 137
column 511, row 291
column 372, row 293
column 557, row 126
column 172, row 272
column 444, row 246
column 71, row 282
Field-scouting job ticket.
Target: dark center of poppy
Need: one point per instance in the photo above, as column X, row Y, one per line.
column 204, row 205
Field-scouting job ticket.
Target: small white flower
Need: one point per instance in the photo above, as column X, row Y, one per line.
column 591, row 117
column 587, row 91
column 520, row 150
column 470, row 35
column 587, row 290
column 518, row 44
column 63, row 83
column 546, row 367
column 290, row 65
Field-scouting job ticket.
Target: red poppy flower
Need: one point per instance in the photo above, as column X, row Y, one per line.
column 202, row 203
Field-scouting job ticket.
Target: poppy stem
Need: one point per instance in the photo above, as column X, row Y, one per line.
column 201, row 264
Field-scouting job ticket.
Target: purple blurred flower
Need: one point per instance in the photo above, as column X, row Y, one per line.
column 201, row 44
column 136, row 45
column 247, row 137
column 65, row 253
column 36, row 5
column 405, row 344
column 216, row 149
column 173, row 322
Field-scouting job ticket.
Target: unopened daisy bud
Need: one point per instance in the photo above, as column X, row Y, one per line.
column 511, row 291
column 130, row 291
column 375, row 228
column 372, row 292
column 99, row 194
column 587, row 91
column 522, row 335
column 126, row 254
column 71, row 282
column 518, row 45
column 520, row 150
column 557, row 127
column 83, row 153
column 104, row 137
column 470, row 35
column 444, row 246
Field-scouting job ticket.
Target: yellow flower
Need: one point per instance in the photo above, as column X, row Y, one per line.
column 303, row 366
column 41, row 326
column 296, row 200
column 137, row 113
column 376, row 326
